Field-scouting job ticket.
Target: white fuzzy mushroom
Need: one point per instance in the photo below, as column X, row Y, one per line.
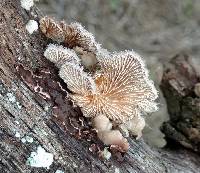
column 59, row 55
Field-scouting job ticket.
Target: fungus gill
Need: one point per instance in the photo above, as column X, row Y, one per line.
column 122, row 89
column 51, row 29
column 81, row 84
column 59, row 55
column 71, row 35
column 115, row 94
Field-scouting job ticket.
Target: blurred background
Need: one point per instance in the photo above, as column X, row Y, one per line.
column 156, row 29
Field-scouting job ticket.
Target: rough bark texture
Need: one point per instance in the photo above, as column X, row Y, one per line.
column 178, row 85
column 33, row 102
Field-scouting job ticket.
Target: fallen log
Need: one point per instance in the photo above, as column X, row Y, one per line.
column 35, row 112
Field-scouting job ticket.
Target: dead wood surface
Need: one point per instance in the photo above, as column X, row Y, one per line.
column 179, row 80
column 32, row 102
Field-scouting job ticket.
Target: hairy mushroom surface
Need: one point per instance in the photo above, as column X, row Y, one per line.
column 122, row 88
column 51, row 29
column 72, row 35
column 115, row 93
column 59, row 55
column 77, row 35
column 78, row 81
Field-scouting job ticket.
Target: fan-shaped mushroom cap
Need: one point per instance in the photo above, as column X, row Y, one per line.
column 77, row 35
column 72, row 35
column 122, row 89
column 59, row 55
column 78, row 81
column 51, row 29
column 124, row 82
column 127, row 70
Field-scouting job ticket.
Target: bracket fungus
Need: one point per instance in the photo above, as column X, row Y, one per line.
column 115, row 95
column 72, row 35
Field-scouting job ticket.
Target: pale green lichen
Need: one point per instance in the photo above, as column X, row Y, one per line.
column 23, row 140
column 19, row 106
column 74, row 165
column 117, row 170
column 40, row 158
column 17, row 135
column 59, row 171
column 17, row 122
column 106, row 154
column 40, row 132
column 11, row 98
column 27, row 139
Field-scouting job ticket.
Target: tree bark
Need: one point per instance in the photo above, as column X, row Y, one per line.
column 33, row 103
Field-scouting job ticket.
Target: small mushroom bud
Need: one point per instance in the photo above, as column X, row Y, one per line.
column 88, row 59
column 102, row 123
column 135, row 126
column 114, row 137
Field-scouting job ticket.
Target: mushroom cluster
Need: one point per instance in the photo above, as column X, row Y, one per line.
column 113, row 89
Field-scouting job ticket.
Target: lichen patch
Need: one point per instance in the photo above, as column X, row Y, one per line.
column 31, row 26
column 40, row 158
column 27, row 4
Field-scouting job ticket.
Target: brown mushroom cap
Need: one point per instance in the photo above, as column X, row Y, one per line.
column 51, row 29
column 71, row 35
